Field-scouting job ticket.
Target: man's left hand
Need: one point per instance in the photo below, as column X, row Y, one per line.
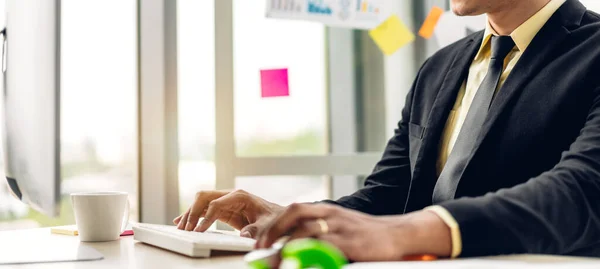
column 359, row 236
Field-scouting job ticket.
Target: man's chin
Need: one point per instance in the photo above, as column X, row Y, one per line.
column 462, row 9
column 465, row 12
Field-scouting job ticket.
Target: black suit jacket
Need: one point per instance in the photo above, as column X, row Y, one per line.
column 533, row 183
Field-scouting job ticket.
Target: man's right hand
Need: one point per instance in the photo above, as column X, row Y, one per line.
column 240, row 209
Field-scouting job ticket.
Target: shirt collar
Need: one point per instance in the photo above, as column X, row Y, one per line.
column 524, row 34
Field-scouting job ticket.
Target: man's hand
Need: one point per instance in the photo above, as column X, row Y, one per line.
column 240, row 209
column 359, row 236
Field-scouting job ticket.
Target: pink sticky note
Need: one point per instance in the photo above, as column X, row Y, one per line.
column 274, row 82
column 127, row 232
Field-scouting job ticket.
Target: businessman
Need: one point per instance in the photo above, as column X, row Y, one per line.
column 497, row 151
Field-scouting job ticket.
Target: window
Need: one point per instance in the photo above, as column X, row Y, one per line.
column 278, row 126
column 285, row 190
column 98, row 108
column 196, row 96
column 593, row 5
column 283, row 126
column 99, row 147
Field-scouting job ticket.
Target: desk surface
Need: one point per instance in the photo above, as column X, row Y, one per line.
column 128, row 253
column 123, row 253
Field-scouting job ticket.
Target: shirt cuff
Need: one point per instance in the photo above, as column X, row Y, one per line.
column 452, row 224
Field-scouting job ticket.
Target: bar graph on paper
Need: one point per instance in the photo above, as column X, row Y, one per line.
column 367, row 6
column 361, row 14
column 319, row 7
column 294, row 6
column 370, row 10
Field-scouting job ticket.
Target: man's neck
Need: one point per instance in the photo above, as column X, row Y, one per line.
column 505, row 21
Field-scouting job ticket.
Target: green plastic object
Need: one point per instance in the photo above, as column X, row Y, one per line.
column 312, row 253
column 259, row 264
column 297, row 254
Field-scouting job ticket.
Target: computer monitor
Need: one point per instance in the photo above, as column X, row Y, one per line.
column 31, row 102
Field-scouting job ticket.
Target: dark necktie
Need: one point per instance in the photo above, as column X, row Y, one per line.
column 447, row 183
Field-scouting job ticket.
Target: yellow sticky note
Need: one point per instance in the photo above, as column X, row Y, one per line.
column 391, row 35
column 430, row 22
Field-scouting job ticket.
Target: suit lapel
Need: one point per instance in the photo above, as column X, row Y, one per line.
column 443, row 103
column 542, row 46
column 537, row 55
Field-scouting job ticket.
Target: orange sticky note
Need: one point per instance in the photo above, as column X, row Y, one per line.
column 391, row 35
column 430, row 22
column 419, row 258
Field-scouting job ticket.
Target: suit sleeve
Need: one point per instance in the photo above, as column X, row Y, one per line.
column 557, row 212
column 386, row 189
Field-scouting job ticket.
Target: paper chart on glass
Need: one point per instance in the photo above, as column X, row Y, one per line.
column 359, row 14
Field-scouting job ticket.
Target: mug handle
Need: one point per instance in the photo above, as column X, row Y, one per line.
column 125, row 217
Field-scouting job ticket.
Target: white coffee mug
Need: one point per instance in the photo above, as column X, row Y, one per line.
column 100, row 216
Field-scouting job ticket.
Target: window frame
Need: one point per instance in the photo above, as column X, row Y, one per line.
column 158, row 145
column 158, row 156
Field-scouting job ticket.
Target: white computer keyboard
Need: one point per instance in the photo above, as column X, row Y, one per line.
column 193, row 244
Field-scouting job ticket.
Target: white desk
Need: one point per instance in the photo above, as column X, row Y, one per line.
column 128, row 253
column 123, row 253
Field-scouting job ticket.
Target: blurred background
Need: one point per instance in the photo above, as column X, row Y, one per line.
column 345, row 98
